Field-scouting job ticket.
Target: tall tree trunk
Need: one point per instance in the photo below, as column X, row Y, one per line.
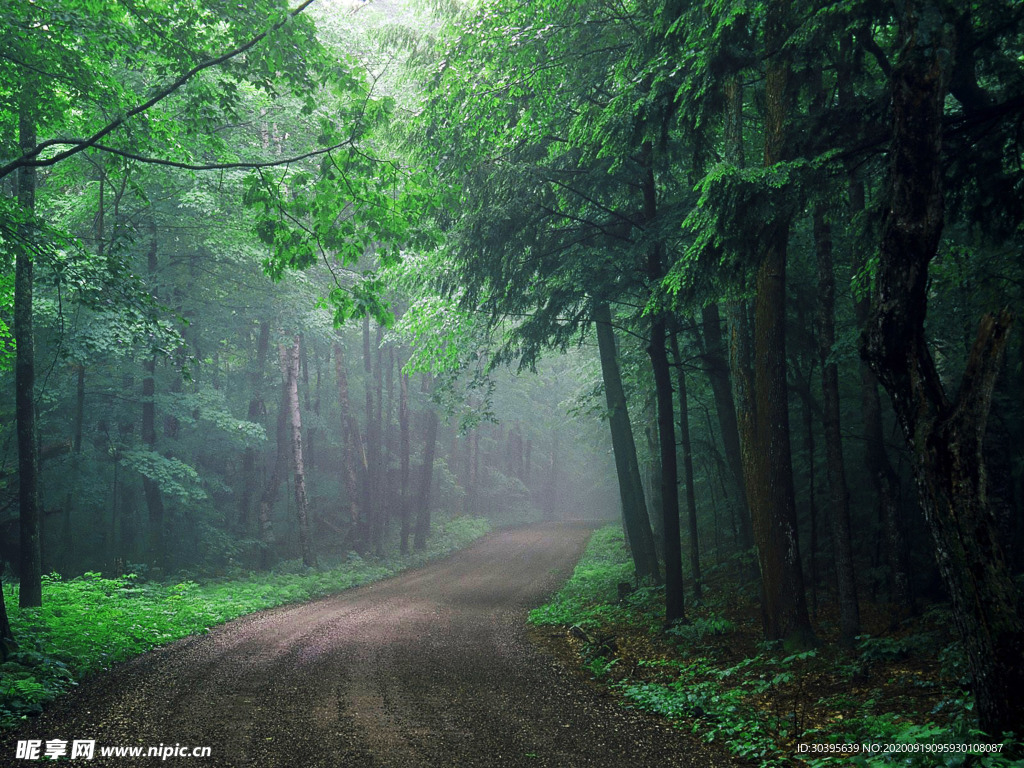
column 842, row 546
column 79, row 414
column 551, row 495
column 79, row 417
column 257, row 413
column 945, row 436
column 350, row 442
column 674, row 601
column 653, row 477
column 290, row 370
column 741, row 363
column 514, row 460
column 70, row 497
column 30, row 593
column 885, row 483
column 631, row 492
column 372, row 461
column 657, row 351
column 473, row 489
column 772, row 497
column 269, row 496
column 390, row 491
column 812, row 488
column 740, row 338
column 527, row 457
column 403, row 439
column 426, row 476
column 717, row 369
column 379, row 459
column 308, row 448
column 687, row 448
column 154, row 498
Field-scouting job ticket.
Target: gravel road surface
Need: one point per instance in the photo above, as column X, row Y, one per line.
column 430, row 668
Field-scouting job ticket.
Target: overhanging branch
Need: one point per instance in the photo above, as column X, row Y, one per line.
column 252, row 164
column 28, row 159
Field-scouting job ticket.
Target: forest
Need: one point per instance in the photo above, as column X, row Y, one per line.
column 295, row 295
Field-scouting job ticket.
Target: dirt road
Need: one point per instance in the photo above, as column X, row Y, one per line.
column 431, row 668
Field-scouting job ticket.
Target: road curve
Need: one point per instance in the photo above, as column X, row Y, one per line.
column 430, row 668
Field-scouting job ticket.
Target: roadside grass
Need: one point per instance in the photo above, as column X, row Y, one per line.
column 894, row 699
column 89, row 623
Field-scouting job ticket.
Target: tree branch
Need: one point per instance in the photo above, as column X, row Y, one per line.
column 27, row 159
column 975, row 396
column 212, row 166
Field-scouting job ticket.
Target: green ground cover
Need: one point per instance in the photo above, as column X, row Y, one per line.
column 89, row 623
column 902, row 690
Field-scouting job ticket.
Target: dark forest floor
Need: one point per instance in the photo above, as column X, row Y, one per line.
column 902, row 685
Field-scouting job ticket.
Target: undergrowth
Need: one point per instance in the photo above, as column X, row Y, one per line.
column 773, row 708
column 88, row 623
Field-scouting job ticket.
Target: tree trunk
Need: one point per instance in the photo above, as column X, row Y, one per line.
column 717, row 369
column 426, row 478
column 514, row 459
column 842, row 546
column 551, row 495
column 154, row 498
column 269, row 497
column 390, row 490
column 687, row 448
column 379, row 460
column 653, row 476
column 403, row 439
column 30, row 593
column 290, row 369
column 474, row 473
column 350, row 442
column 674, row 601
column 370, row 505
column 812, row 489
column 772, row 497
column 656, row 350
column 945, row 436
column 257, row 413
column 742, row 367
column 310, row 402
column 740, row 352
column 884, row 481
column 79, row 417
column 631, row 492
column 526, row 461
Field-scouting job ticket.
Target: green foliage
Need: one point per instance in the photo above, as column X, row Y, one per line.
column 173, row 476
column 717, row 712
column 209, row 407
column 593, row 585
column 701, row 627
column 89, row 623
column 756, row 707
